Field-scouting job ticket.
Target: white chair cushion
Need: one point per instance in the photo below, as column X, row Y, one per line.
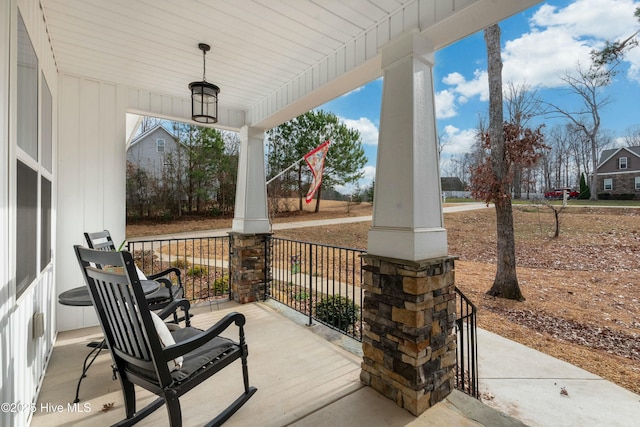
column 141, row 275
column 166, row 340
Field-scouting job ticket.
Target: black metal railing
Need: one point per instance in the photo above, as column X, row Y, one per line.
column 467, row 348
column 203, row 262
column 324, row 282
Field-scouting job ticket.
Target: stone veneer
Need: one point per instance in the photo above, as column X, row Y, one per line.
column 409, row 345
column 248, row 266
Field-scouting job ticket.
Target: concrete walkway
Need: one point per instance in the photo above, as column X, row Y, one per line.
column 526, row 388
column 458, row 207
column 540, row 390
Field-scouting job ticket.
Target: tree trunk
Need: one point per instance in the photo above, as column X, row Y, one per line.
column 557, row 218
column 505, row 284
column 517, row 182
column 594, row 168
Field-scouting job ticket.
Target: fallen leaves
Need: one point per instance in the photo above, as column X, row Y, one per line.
column 593, row 336
column 107, row 406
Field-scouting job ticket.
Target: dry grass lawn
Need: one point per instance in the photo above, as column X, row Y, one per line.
column 582, row 289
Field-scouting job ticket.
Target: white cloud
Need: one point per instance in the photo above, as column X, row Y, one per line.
column 457, row 141
column 369, row 176
column 634, row 70
column 358, row 89
column 369, row 173
column 477, row 86
column 598, row 19
column 453, row 79
column 530, row 59
column 445, row 102
column 558, row 39
column 561, row 37
column 368, row 130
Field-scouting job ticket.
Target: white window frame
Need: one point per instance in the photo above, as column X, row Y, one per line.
column 160, row 145
column 27, row 165
column 607, row 184
column 623, row 163
column 637, row 183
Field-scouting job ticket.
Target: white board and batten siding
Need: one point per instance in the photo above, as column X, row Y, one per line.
column 23, row 356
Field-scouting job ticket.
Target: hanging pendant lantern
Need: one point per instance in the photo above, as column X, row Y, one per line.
column 204, row 95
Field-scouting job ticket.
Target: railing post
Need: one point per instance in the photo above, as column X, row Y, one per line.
column 267, row 267
column 466, row 351
column 310, row 273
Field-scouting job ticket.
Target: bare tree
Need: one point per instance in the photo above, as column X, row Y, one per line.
column 148, row 122
column 588, row 86
column 522, row 104
column 505, row 284
column 559, row 158
column 631, row 137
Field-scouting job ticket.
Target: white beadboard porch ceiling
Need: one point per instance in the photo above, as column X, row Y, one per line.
column 258, row 47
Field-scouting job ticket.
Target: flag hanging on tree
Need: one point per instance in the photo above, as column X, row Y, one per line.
column 315, row 160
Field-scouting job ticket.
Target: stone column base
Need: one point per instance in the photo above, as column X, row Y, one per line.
column 248, row 266
column 409, row 343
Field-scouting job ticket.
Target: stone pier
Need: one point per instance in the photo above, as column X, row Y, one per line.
column 248, row 266
column 409, row 345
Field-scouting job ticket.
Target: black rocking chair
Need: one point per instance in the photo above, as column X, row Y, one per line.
column 137, row 342
column 101, row 240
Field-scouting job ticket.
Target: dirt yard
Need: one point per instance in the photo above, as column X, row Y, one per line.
column 582, row 289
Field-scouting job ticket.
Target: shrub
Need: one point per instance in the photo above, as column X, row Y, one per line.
column 221, row 285
column 625, row 196
column 198, row 271
column 180, row 263
column 301, row 296
column 585, row 192
column 337, row 311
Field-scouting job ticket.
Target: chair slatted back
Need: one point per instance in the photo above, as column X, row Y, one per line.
column 100, row 240
column 123, row 310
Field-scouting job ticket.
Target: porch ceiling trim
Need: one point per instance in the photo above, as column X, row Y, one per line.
column 272, row 59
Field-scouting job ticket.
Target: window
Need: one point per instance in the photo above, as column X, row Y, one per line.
column 26, row 227
column 608, row 184
column 637, row 183
column 27, row 99
column 34, row 166
column 160, row 146
column 46, row 128
column 45, row 222
column 622, row 163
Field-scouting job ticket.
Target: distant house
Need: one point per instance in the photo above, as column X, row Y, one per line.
column 153, row 150
column 618, row 173
column 451, row 183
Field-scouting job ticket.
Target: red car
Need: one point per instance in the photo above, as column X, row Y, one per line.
column 558, row 193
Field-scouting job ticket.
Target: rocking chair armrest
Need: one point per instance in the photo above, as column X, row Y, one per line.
column 170, row 308
column 165, row 272
column 184, row 347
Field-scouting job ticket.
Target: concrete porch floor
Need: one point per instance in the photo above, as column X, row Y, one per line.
column 304, row 376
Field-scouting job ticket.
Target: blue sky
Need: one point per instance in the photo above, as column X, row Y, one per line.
column 539, row 45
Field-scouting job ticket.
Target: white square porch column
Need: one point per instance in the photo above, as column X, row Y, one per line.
column 251, row 215
column 407, row 211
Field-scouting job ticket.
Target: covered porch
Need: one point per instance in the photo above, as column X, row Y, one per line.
column 306, row 376
column 74, row 69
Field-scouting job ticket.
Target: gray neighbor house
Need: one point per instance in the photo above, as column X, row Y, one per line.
column 153, row 150
column 618, row 173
